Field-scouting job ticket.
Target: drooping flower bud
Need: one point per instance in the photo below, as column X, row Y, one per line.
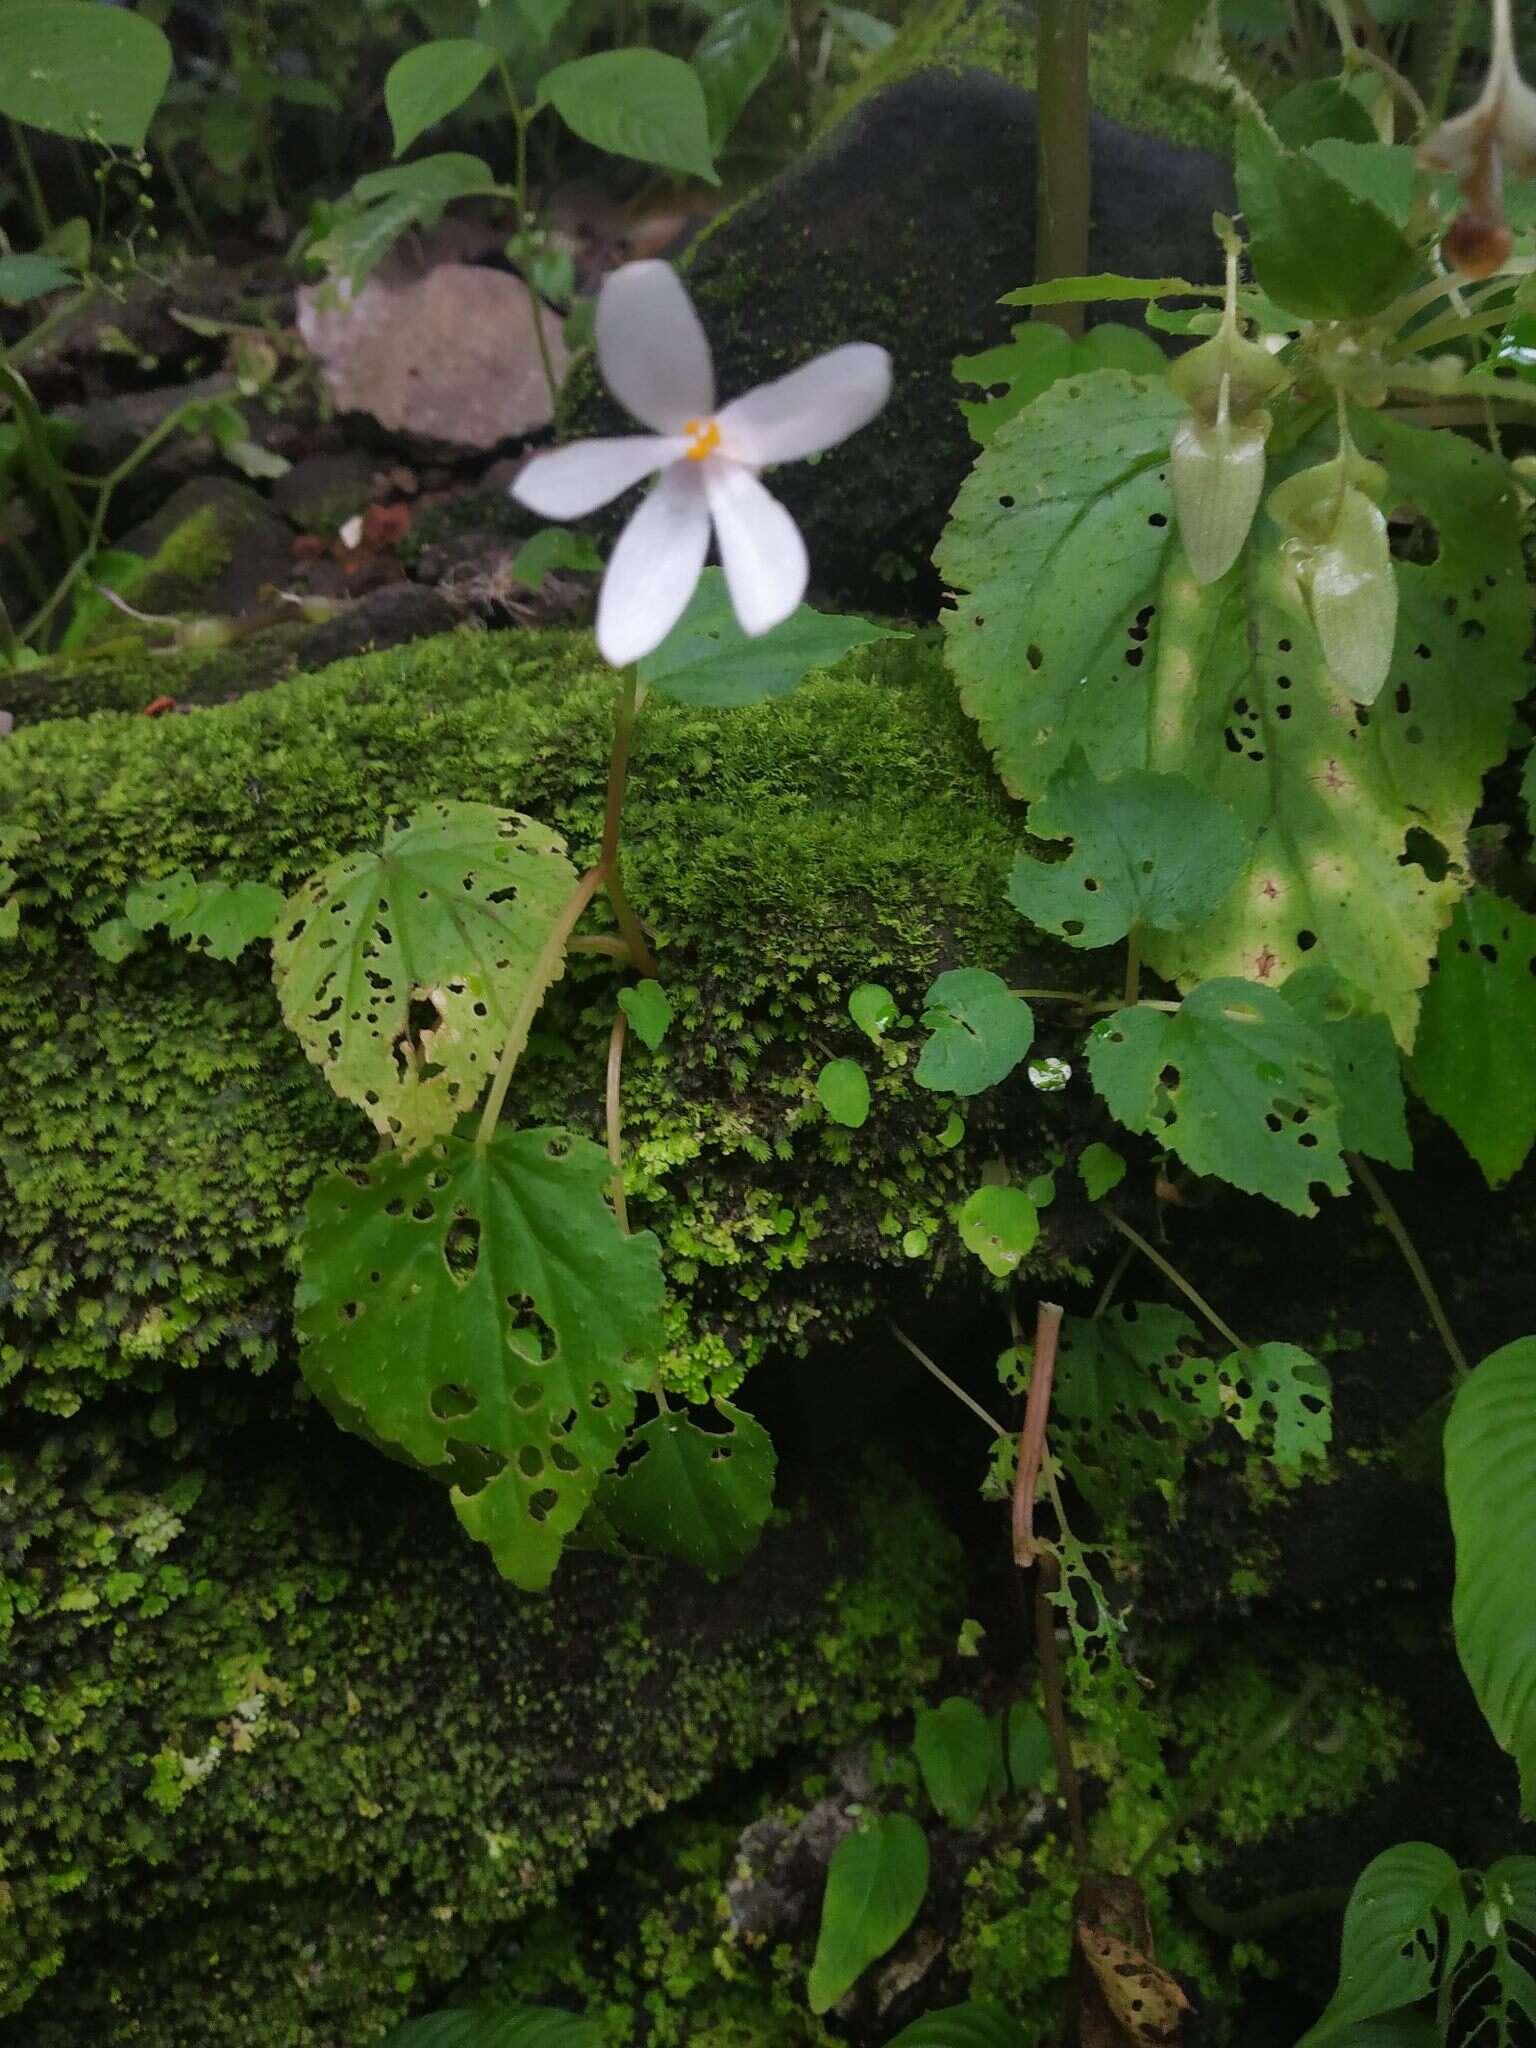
column 1218, row 479
column 1497, row 131
column 1217, row 454
column 1338, row 548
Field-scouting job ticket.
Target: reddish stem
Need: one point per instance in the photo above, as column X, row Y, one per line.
column 1032, row 1436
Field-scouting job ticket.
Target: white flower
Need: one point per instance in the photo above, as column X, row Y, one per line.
column 1503, row 117
column 655, row 360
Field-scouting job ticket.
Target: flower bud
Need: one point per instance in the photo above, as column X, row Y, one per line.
column 1252, row 374
column 1340, row 554
column 1218, row 479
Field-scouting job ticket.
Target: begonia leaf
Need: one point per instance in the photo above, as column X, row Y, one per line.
column 693, row 1492
column 980, row 1031
column 1474, row 1060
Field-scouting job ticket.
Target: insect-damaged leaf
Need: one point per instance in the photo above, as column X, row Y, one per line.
column 481, row 1309
column 981, row 1030
column 1079, row 624
column 400, row 970
column 1148, row 850
column 1474, row 1061
column 1234, row 1082
column 700, row 1494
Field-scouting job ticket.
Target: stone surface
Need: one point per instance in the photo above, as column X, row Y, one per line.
column 384, row 618
column 221, row 545
column 905, row 227
column 449, row 360
column 320, row 492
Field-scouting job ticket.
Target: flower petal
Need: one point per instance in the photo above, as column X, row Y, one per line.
column 570, row 482
column 761, row 551
column 651, row 348
column 654, row 570
column 812, row 408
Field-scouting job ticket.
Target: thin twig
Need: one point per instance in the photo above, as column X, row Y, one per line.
column 1171, row 1272
column 1032, row 1436
column 1053, row 1693
column 1117, row 1274
column 1397, row 1230
column 944, row 1380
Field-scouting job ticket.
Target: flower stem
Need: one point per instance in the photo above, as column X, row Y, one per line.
column 533, row 994
column 1064, row 168
column 640, row 954
column 615, row 1139
column 1037, row 1411
column 1397, row 1230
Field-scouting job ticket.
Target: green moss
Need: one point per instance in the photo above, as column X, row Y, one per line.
column 281, row 1752
column 998, row 36
column 161, row 1129
column 123, row 674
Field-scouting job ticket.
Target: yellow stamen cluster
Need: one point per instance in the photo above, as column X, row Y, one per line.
column 703, row 437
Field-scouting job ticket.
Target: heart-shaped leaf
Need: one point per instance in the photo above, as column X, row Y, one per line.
column 707, row 658
column 92, row 73
column 401, row 969
column 1392, row 1937
column 430, row 82
column 981, row 1030
column 636, row 103
column 961, row 2026
column 1148, row 851
column 481, row 1309
column 842, row 1088
column 649, row 1010
column 1234, row 1082
column 697, row 1493
column 875, row 1884
column 1000, row 1225
column 959, row 1752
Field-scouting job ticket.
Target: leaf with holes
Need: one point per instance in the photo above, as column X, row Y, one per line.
column 401, row 970
column 1363, row 1058
column 159, row 901
column 694, row 1492
column 1147, row 2004
column 981, row 1030
column 1474, row 1061
column 226, row 917
column 1234, row 1082
column 1490, row 1484
column 1131, row 1394
column 1280, row 1398
column 875, row 1884
column 1000, row 1225
column 959, row 1752
column 1499, row 1984
column 1106, row 1694
column 1149, row 851
column 113, row 940
column 649, row 1009
column 1079, row 624
column 1392, row 1936
column 1016, row 372
column 482, row 1303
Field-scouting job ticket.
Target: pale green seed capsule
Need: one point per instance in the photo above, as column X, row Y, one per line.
column 1351, row 589
column 1218, row 479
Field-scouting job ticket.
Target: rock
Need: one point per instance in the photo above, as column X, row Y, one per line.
column 384, row 618
column 330, row 1756
column 214, row 545
column 449, row 361
column 108, row 430
column 870, row 238
column 321, row 492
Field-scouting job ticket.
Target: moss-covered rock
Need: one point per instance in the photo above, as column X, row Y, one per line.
column 905, row 226
column 160, row 1129
column 280, row 1752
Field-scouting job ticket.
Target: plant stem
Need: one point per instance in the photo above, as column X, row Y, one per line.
column 181, row 192
column 1237, row 1765
column 1132, row 967
column 615, row 1140
column 944, row 1380
column 522, row 121
column 42, row 219
column 1117, row 1274
column 1171, row 1272
column 533, row 994
column 613, row 816
column 1037, row 1411
column 1397, row 1230
column 1064, row 171
column 1053, row 1692
column 10, row 646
